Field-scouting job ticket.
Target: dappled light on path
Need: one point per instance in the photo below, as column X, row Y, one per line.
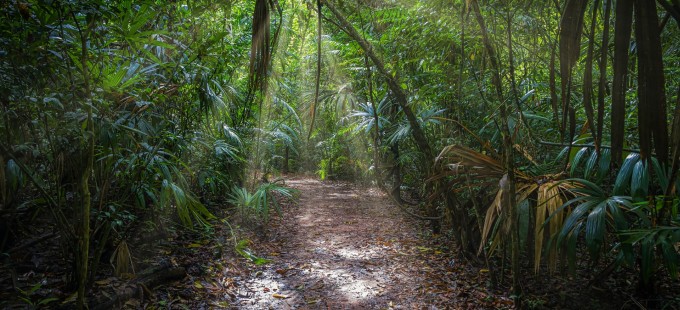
column 344, row 247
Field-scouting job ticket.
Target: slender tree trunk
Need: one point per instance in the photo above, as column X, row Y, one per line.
column 509, row 180
column 553, row 91
column 83, row 241
column 318, row 69
column 588, row 76
column 396, row 173
column 461, row 66
column 675, row 150
column 393, row 83
column 417, row 132
column 651, row 83
column 286, row 158
column 622, row 32
column 603, row 75
column 571, row 27
column 376, row 125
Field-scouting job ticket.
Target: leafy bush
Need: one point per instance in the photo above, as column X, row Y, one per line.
column 256, row 207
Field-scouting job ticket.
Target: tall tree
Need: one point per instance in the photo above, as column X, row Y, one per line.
column 507, row 183
column 400, row 95
column 622, row 32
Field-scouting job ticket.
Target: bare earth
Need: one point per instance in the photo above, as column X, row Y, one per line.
column 342, row 247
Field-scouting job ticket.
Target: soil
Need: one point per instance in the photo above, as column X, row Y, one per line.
column 343, row 249
column 348, row 247
column 337, row 245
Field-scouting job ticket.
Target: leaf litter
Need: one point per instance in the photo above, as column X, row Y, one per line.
column 344, row 246
column 339, row 246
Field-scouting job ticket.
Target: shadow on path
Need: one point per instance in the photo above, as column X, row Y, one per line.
column 343, row 247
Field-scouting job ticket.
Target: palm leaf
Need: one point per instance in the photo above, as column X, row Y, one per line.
column 623, row 177
column 548, row 202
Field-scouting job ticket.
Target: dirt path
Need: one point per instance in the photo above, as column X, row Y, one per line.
column 342, row 247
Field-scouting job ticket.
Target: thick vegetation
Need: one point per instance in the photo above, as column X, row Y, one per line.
column 546, row 133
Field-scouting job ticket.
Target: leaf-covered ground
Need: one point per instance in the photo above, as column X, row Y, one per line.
column 337, row 246
column 344, row 246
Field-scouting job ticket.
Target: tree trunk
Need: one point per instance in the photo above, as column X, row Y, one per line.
column 312, row 110
column 376, row 120
column 393, row 83
column 622, row 32
column 652, row 123
column 509, row 184
column 417, row 132
column 286, row 157
column 603, row 75
column 396, row 173
column 83, row 243
column 588, row 76
column 553, row 91
column 571, row 27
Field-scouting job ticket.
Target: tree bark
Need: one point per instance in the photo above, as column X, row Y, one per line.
column 83, row 238
column 652, row 121
column 622, row 32
column 318, row 69
column 588, row 76
column 603, row 75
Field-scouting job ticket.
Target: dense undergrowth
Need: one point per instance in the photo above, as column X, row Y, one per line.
column 541, row 136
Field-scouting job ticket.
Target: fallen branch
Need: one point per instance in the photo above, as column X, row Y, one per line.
column 146, row 279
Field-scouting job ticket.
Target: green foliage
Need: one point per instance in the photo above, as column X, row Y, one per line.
column 176, row 125
column 168, row 122
column 594, row 212
column 323, row 169
column 27, row 296
column 256, row 206
column 633, row 227
column 242, row 249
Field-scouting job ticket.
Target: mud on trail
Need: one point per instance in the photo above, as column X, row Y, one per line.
column 345, row 247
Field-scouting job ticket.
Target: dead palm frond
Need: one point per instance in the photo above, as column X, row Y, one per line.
column 458, row 163
column 549, row 200
column 122, row 260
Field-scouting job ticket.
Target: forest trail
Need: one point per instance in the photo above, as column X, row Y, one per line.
column 341, row 247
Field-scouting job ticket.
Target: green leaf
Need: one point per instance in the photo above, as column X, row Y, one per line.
column 595, row 229
column 590, row 165
column 604, row 163
column 660, row 173
column 639, row 183
column 623, row 178
column 577, row 159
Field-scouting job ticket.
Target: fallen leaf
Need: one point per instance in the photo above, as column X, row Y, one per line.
column 220, row 304
column 106, row 281
column 276, row 295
